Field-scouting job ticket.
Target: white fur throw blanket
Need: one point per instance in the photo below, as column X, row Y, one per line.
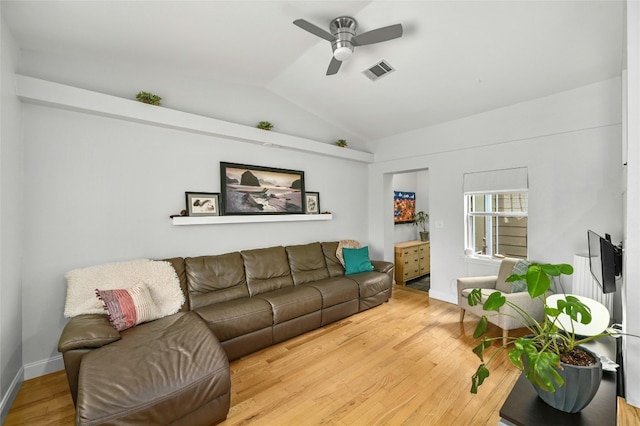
column 159, row 276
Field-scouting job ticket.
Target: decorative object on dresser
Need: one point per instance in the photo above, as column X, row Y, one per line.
column 420, row 219
column 411, row 260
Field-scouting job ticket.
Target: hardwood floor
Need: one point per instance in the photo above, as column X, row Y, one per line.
column 408, row 361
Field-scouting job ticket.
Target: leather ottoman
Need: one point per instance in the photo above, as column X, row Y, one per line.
column 169, row 371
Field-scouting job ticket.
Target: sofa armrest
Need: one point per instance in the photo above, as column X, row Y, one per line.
column 477, row 282
column 86, row 332
column 463, row 283
column 382, row 266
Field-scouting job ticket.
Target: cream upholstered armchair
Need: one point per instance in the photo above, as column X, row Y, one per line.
column 506, row 317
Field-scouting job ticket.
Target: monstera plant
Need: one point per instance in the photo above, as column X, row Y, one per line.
column 548, row 350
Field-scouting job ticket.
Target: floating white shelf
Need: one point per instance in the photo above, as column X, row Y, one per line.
column 219, row 220
column 57, row 95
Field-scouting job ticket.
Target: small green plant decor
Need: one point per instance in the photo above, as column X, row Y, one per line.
column 264, row 125
column 342, row 143
column 148, row 98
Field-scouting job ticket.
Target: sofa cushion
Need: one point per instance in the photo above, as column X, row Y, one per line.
column 267, row 269
column 128, row 307
column 292, row 302
column 334, row 266
column 371, row 283
column 159, row 373
column 336, row 290
column 307, row 263
column 506, row 269
column 236, row 317
column 356, row 260
column 215, row 279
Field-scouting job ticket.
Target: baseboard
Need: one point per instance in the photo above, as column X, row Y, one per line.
column 10, row 396
column 440, row 295
column 42, row 367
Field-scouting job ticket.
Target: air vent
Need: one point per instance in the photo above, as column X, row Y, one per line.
column 378, row 71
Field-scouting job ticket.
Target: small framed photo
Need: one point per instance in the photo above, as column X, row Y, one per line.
column 203, row 203
column 312, row 202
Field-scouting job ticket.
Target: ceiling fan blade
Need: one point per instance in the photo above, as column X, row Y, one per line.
column 379, row 35
column 313, row 29
column 334, row 66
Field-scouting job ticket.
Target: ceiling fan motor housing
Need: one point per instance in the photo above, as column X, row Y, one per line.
column 344, row 29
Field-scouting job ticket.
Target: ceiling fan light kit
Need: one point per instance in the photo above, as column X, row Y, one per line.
column 342, row 53
column 344, row 30
column 343, row 37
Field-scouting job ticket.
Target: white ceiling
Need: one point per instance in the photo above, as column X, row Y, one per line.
column 456, row 58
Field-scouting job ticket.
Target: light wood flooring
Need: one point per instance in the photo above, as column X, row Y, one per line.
column 408, row 362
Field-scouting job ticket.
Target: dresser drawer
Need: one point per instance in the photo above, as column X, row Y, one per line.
column 408, row 251
column 411, row 260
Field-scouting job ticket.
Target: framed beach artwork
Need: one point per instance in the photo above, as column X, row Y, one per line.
column 256, row 190
column 312, row 202
column 203, row 203
column 404, row 209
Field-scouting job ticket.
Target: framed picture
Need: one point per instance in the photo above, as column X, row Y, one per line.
column 312, row 202
column 203, row 203
column 404, row 209
column 255, row 190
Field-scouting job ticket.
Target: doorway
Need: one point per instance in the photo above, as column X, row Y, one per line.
column 415, row 182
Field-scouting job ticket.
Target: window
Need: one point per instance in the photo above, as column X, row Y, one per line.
column 497, row 223
column 496, row 209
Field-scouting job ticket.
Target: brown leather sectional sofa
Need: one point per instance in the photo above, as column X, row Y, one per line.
column 249, row 299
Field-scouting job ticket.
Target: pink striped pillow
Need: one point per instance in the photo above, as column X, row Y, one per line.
column 129, row 307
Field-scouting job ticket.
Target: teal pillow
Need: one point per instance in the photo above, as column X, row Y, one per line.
column 356, row 260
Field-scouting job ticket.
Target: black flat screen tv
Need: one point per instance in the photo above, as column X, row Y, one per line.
column 605, row 261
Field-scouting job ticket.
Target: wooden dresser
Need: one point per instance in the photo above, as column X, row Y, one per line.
column 411, row 260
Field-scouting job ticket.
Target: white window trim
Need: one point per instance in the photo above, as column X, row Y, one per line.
column 479, row 256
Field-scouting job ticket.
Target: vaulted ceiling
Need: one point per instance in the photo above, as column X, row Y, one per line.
column 456, row 58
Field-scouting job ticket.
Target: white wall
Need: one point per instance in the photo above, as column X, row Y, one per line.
column 571, row 144
column 198, row 94
column 11, row 228
column 101, row 190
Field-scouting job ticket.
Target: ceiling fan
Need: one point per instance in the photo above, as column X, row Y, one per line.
column 343, row 37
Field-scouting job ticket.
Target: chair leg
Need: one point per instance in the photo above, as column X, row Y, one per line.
column 462, row 311
column 505, row 334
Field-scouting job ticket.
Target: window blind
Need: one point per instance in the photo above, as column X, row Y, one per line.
column 492, row 181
